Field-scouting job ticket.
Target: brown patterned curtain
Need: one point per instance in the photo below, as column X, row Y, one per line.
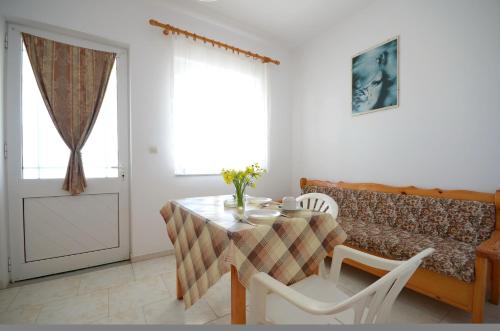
column 72, row 81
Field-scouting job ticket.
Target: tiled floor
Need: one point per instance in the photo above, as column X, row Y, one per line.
column 144, row 292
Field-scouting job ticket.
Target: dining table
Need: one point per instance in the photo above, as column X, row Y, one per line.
column 211, row 239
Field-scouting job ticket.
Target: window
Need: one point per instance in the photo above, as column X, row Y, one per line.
column 45, row 155
column 219, row 109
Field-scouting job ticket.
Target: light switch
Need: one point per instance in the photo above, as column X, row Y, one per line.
column 153, row 150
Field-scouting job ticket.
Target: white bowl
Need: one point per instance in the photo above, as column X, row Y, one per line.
column 261, row 215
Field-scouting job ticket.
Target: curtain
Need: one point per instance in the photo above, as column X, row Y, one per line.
column 220, row 110
column 72, row 81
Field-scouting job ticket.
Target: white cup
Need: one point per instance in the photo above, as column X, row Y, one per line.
column 289, row 203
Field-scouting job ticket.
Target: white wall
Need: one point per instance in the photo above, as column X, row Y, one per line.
column 446, row 132
column 4, row 275
column 152, row 179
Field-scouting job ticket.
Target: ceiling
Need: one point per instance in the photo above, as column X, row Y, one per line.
column 290, row 22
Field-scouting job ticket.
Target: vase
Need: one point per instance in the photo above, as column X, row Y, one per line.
column 239, row 196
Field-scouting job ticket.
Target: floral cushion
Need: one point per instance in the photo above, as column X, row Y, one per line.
column 452, row 257
column 467, row 221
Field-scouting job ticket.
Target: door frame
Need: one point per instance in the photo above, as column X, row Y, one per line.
column 16, row 185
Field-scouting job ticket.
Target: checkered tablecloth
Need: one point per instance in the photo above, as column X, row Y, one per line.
column 288, row 249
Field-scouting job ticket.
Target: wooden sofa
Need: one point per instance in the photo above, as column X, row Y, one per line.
column 395, row 222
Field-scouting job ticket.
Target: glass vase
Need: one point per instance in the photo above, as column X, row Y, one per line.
column 240, row 200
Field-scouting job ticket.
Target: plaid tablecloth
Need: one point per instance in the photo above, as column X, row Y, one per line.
column 289, row 249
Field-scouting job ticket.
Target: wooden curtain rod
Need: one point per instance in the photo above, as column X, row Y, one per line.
column 167, row 28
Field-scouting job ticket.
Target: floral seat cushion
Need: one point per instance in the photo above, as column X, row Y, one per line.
column 452, row 257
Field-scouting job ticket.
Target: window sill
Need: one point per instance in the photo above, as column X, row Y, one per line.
column 196, row 175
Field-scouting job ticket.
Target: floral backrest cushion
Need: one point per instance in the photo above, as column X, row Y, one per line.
column 464, row 220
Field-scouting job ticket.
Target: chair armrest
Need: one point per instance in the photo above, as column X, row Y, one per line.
column 490, row 248
column 342, row 252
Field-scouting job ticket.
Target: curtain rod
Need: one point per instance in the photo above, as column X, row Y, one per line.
column 167, row 28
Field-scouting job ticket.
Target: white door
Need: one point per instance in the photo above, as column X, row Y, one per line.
column 51, row 231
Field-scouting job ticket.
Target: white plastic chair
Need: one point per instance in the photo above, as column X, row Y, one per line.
column 319, row 202
column 318, row 299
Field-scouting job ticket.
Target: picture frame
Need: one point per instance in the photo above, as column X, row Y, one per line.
column 375, row 79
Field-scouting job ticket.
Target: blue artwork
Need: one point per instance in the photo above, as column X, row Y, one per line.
column 375, row 81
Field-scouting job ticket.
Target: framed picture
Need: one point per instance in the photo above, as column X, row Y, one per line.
column 375, row 78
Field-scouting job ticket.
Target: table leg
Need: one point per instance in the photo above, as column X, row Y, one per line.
column 238, row 299
column 178, row 286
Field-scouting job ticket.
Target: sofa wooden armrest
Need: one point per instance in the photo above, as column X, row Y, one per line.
column 490, row 248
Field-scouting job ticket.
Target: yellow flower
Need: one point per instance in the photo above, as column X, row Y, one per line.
column 228, row 176
column 243, row 178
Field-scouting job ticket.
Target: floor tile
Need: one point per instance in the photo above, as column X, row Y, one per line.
column 25, row 315
column 219, row 296
column 170, row 282
column 455, row 315
column 355, row 280
column 45, row 292
column 172, row 311
column 7, row 296
column 131, row 316
column 153, row 267
column 404, row 314
column 80, row 309
column 106, row 278
column 224, row 320
column 492, row 313
column 420, row 304
column 137, row 294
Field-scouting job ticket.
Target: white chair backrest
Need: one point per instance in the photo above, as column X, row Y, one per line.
column 373, row 304
column 319, row 202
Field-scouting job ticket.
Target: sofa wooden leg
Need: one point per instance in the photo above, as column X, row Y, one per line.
column 495, row 282
column 479, row 289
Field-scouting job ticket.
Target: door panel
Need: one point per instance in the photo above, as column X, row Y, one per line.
column 51, row 231
column 60, row 226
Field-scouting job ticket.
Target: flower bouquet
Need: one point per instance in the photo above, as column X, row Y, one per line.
column 241, row 179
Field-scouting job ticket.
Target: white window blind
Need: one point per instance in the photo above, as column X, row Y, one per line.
column 220, row 116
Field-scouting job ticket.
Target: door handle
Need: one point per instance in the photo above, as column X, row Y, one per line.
column 121, row 171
